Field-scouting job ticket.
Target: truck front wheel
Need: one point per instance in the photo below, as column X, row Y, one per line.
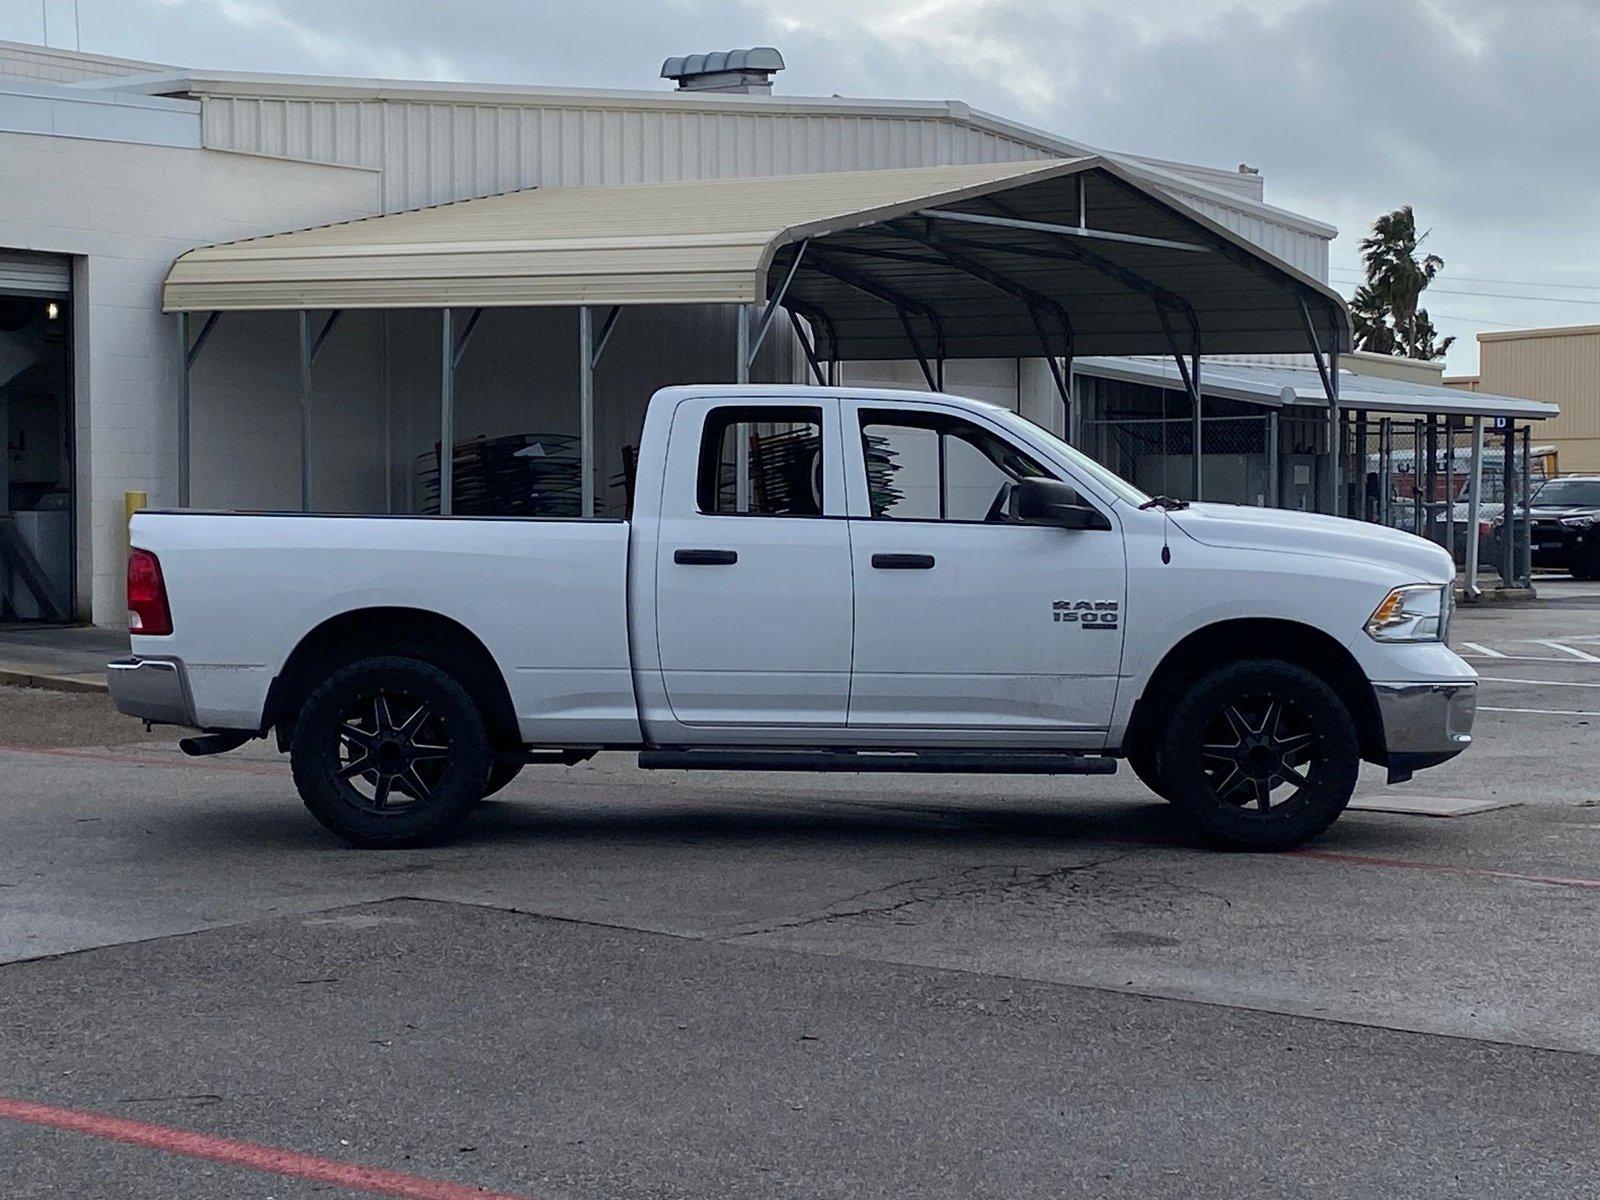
column 390, row 751
column 1259, row 755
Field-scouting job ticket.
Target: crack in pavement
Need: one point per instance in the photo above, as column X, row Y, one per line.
column 969, row 883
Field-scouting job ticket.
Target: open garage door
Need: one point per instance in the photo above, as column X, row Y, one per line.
column 36, row 436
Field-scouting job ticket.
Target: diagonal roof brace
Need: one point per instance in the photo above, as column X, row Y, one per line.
column 1034, row 300
column 995, row 279
column 900, row 302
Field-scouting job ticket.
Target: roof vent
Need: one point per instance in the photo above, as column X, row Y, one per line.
column 748, row 71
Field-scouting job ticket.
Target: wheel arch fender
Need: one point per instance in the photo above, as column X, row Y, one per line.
column 1233, row 640
column 409, row 632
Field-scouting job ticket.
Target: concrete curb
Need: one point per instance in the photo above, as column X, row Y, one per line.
column 12, row 677
column 1497, row 595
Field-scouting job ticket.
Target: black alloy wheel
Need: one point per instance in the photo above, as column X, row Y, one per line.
column 1259, row 751
column 392, row 748
column 1259, row 755
column 390, row 751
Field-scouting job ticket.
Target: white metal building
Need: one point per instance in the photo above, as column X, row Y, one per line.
column 111, row 170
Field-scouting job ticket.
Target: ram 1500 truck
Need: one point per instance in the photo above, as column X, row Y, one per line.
column 810, row 579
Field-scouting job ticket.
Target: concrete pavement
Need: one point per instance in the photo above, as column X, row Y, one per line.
column 629, row 984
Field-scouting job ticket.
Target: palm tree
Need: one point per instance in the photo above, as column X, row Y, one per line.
column 1369, row 315
column 1385, row 309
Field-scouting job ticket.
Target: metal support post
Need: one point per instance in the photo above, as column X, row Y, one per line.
column 184, row 362
column 1360, row 460
column 1328, row 368
column 1336, row 423
column 742, row 372
column 447, row 415
column 1474, row 509
column 1272, row 450
column 187, row 352
column 741, row 453
column 1385, row 468
column 309, row 349
column 1450, row 486
column 1431, row 478
column 1509, row 525
column 1189, row 373
column 1526, row 563
column 1197, row 418
column 305, row 410
column 586, row 410
column 1418, row 526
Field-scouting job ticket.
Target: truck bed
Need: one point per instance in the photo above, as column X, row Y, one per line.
column 546, row 597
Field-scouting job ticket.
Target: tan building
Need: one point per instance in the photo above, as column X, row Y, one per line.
column 1559, row 365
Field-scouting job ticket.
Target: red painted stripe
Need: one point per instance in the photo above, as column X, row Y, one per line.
column 243, row 1154
column 1368, row 860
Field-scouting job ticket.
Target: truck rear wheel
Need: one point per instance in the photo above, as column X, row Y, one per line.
column 390, row 751
column 1259, row 755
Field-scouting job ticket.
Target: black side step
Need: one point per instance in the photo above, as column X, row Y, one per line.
column 926, row 762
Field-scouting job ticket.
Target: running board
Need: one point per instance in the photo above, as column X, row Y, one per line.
column 930, row 762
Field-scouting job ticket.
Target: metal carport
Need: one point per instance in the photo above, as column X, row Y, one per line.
column 1374, row 409
column 1046, row 259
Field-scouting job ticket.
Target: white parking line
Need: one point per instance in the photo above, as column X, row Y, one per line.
column 1549, row 658
column 1542, row 712
column 1551, row 643
column 1541, row 682
column 1484, row 650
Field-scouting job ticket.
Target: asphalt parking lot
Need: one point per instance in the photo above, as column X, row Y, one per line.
column 630, row 985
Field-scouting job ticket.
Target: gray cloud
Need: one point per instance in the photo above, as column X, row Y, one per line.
column 1485, row 115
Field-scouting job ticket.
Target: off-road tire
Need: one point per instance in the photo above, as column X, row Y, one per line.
column 1312, row 738
column 418, row 794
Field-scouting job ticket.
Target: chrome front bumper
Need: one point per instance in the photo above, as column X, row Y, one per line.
column 1425, row 724
column 153, row 689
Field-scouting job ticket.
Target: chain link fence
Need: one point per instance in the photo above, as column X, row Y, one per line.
column 1415, row 474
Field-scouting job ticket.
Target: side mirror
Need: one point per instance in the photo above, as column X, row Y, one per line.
column 1051, row 502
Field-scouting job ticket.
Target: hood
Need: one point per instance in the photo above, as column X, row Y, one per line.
column 1556, row 511
column 1246, row 528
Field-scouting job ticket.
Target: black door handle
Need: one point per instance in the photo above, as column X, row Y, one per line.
column 903, row 562
column 705, row 558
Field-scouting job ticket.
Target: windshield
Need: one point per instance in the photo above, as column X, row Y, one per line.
column 1115, row 484
column 1563, row 493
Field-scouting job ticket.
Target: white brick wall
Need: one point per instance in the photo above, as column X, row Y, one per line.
column 126, row 211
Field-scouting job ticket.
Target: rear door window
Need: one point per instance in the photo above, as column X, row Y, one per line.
column 761, row 461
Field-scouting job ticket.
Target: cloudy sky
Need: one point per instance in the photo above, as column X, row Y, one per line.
column 1483, row 114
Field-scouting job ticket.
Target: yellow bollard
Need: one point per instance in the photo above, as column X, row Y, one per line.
column 132, row 502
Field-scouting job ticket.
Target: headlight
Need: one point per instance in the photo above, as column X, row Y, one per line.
column 1578, row 522
column 1418, row 612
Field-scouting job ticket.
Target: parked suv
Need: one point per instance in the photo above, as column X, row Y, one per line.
column 1565, row 527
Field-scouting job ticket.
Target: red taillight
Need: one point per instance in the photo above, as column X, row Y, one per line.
column 148, row 614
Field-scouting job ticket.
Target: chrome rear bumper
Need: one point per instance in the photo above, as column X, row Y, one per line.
column 153, row 689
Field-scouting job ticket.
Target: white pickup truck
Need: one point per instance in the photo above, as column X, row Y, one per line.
column 811, row 579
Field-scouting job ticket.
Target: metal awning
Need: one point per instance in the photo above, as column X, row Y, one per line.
column 974, row 261
column 1277, row 386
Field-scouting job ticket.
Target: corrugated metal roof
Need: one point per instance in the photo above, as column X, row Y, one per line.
column 1275, row 386
column 730, row 241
